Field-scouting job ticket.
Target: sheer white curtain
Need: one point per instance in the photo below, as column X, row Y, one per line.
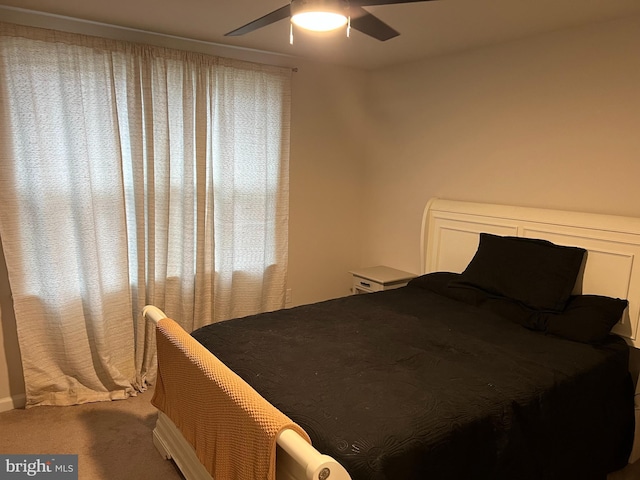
column 129, row 175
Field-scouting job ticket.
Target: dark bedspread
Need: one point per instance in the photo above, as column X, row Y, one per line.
column 407, row 384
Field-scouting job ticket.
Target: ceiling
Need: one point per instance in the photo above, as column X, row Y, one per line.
column 426, row 28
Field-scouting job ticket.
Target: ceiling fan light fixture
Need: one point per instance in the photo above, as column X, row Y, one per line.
column 319, row 15
column 319, row 21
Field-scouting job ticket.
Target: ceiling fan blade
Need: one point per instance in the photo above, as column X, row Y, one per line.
column 371, row 3
column 371, row 25
column 268, row 19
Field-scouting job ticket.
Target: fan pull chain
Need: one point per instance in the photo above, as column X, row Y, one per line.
column 349, row 26
column 291, row 34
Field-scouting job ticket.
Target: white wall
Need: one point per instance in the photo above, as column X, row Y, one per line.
column 326, row 182
column 548, row 121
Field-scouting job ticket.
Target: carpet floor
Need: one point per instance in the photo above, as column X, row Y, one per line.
column 113, row 440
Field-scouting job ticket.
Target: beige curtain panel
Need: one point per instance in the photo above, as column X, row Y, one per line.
column 129, row 175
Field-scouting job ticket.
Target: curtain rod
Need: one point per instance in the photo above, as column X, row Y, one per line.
column 53, row 21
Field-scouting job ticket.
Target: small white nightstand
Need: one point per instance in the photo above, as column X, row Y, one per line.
column 377, row 279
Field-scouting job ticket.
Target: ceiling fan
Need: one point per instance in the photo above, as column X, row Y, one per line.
column 331, row 14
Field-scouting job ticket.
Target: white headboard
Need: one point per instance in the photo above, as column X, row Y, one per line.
column 450, row 235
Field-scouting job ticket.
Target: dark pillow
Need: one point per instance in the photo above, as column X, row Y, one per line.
column 436, row 282
column 445, row 283
column 537, row 273
column 586, row 318
column 502, row 306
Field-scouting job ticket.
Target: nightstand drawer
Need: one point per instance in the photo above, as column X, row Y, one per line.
column 363, row 285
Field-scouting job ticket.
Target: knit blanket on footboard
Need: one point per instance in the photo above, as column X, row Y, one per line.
column 232, row 429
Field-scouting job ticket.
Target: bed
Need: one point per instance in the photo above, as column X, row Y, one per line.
column 448, row 377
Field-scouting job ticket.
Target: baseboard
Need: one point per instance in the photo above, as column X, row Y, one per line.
column 14, row 401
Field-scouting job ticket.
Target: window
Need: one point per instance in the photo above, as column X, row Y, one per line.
column 135, row 175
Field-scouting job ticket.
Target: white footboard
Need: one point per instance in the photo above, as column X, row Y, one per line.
column 295, row 458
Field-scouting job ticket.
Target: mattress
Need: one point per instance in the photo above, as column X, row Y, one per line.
column 409, row 384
